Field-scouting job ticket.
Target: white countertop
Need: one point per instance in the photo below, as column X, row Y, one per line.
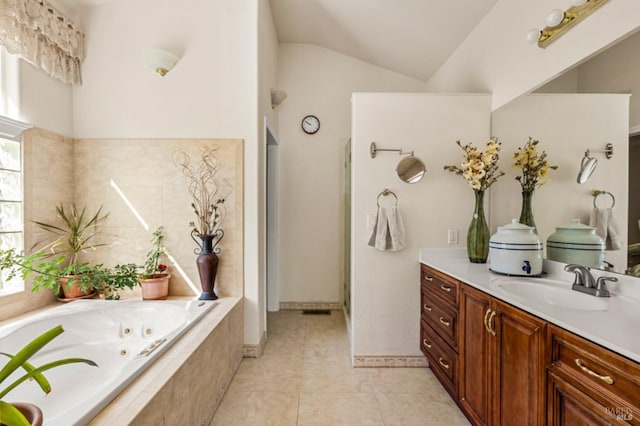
column 616, row 328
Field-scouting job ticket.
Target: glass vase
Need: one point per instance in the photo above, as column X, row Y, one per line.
column 526, row 214
column 478, row 234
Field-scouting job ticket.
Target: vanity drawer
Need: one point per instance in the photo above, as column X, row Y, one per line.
column 442, row 318
column 440, row 284
column 607, row 377
column 442, row 360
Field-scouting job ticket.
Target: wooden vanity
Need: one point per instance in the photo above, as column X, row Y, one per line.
column 505, row 366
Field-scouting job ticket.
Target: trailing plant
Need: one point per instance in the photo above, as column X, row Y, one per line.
column 152, row 265
column 10, row 414
column 205, row 189
column 47, row 272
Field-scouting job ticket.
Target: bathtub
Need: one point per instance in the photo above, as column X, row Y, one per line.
column 122, row 337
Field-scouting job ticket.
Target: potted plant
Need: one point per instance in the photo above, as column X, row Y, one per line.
column 74, row 236
column 14, row 413
column 207, row 204
column 154, row 281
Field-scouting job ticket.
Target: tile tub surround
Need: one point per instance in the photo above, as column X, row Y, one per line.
column 186, row 384
column 614, row 329
column 305, row 377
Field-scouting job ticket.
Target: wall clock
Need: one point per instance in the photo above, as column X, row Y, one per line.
column 310, row 124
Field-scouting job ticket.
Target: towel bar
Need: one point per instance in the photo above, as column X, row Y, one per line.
column 597, row 193
column 384, row 193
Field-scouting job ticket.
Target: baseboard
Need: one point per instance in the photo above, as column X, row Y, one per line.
column 392, row 361
column 255, row 351
column 299, row 306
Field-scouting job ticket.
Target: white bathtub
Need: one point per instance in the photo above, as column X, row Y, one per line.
column 122, row 337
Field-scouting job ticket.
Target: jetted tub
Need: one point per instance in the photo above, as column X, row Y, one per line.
column 122, row 337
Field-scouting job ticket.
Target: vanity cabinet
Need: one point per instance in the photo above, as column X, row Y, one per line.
column 588, row 384
column 439, row 325
column 502, row 362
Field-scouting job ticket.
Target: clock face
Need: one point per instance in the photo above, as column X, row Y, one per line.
column 310, row 124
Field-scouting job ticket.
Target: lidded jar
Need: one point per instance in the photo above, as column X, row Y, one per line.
column 515, row 249
column 576, row 243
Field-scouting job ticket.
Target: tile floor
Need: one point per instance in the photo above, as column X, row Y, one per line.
column 304, row 377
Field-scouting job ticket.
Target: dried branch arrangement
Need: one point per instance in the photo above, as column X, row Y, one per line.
column 208, row 195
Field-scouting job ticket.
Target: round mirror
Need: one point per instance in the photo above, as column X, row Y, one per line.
column 410, row 170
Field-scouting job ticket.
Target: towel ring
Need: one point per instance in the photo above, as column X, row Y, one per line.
column 596, row 193
column 384, row 193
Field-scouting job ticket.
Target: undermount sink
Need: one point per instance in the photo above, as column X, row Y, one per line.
column 551, row 292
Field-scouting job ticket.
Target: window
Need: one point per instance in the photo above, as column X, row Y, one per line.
column 11, row 223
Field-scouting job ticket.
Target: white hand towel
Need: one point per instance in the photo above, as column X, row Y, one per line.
column 607, row 227
column 396, row 229
column 380, row 236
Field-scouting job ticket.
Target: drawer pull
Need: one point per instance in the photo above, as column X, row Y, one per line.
column 443, row 363
column 445, row 288
column 426, row 308
column 608, row 380
column 491, row 330
column 424, row 342
column 486, row 316
column 445, row 322
column 427, row 278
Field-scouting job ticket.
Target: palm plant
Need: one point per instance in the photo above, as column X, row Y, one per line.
column 76, row 235
column 10, row 414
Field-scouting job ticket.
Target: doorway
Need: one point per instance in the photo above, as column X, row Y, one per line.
column 271, row 220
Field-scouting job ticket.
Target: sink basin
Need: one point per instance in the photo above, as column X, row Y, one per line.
column 551, row 292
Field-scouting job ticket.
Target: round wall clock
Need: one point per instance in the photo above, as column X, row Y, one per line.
column 310, row 124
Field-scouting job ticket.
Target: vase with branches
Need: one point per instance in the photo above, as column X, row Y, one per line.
column 208, row 195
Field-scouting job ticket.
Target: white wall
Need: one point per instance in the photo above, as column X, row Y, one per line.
column 44, row 101
column 211, row 93
column 318, row 81
column 495, row 58
column 386, row 285
column 566, row 126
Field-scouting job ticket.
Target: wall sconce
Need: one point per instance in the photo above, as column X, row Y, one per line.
column 277, row 96
column 559, row 22
column 589, row 163
column 159, row 60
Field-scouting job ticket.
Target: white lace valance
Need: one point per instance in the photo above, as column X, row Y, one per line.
column 42, row 35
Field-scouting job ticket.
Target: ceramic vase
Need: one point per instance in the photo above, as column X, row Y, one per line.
column 207, row 262
column 478, row 234
column 526, row 214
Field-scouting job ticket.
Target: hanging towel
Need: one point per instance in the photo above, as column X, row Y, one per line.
column 388, row 232
column 607, row 227
column 396, row 229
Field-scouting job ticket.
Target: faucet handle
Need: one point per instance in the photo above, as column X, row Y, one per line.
column 601, row 286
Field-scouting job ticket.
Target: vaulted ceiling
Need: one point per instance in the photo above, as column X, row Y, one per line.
column 412, row 37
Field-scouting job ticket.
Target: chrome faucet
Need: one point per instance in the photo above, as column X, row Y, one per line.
column 585, row 283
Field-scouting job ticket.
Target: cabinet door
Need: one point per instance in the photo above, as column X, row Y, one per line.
column 568, row 406
column 474, row 355
column 518, row 367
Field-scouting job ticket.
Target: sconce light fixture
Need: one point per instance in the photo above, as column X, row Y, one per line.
column 589, row 163
column 277, row 96
column 559, row 22
column 159, row 60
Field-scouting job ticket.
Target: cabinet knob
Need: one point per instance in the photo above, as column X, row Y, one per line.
column 443, row 363
column 428, row 278
column 445, row 322
column 607, row 379
column 445, row 288
column 427, row 344
column 426, row 308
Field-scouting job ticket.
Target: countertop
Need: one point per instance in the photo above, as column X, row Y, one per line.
column 616, row 328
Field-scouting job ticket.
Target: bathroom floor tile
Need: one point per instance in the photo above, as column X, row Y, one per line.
column 257, row 408
column 305, row 377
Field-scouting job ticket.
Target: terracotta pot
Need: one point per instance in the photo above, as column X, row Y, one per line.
column 31, row 412
column 72, row 291
column 155, row 287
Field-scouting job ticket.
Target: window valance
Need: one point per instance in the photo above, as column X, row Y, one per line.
column 42, row 35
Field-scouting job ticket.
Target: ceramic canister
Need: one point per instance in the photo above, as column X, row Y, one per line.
column 576, row 243
column 515, row 250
